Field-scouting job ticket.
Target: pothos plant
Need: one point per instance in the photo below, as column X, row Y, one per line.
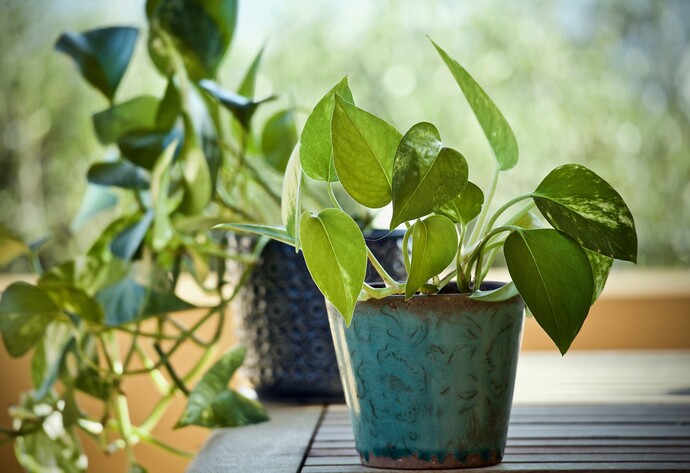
column 182, row 161
column 451, row 233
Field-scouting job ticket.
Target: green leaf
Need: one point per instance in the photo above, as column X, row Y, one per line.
column 143, row 147
column 73, row 300
column 290, row 202
column 494, row 125
column 503, row 293
column 102, row 55
column 115, row 122
column 278, row 139
column 248, row 85
column 578, row 202
column 601, row 267
column 364, row 148
column 169, row 107
column 88, row 380
column 48, row 358
column 11, row 246
column 200, row 30
column 425, row 174
column 434, row 244
column 126, row 244
column 198, row 184
column 242, row 108
column 119, row 174
column 465, row 207
column 54, row 365
column 316, row 153
column 529, row 221
column 160, row 182
column 275, row 233
column 336, row 257
column 96, row 200
column 554, row 277
column 25, row 311
column 212, row 404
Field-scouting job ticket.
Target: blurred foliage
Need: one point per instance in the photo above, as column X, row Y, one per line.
column 605, row 84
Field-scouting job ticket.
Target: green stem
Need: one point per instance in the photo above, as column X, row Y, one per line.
column 380, row 293
column 171, row 371
column 478, row 229
column 158, row 379
column 478, row 250
column 331, row 195
column 165, row 446
column 387, row 278
column 505, row 207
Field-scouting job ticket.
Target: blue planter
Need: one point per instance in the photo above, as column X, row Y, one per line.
column 283, row 321
column 429, row 382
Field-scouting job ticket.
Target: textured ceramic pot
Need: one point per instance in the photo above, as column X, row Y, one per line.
column 283, row 321
column 429, row 382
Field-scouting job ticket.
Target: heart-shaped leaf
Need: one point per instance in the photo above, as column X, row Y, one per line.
column 336, row 257
column 73, row 300
column 25, row 312
column 425, row 174
column 316, row 153
column 465, row 207
column 212, row 404
column 434, row 244
column 364, row 148
column 494, row 125
column 290, row 202
column 578, row 202
column 102, row 55
column 601, row 267
column 137, row 114
column 278, row 139
column 554, row 277
column 200, row 30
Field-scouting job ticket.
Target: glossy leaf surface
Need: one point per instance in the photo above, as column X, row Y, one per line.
column 364, row 148
column 554, row 277
column 336, row 257
column 465, row 207
column 578, row 202
column 434, row 243
column 25, row 311
column 212, row 404
column 426, row 175
column 601, row 267
column 492, row 121
column 316, row 152
column 102, row 55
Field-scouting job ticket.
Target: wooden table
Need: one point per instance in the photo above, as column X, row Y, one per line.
column 585, row 412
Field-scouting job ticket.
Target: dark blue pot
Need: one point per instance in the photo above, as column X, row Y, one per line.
column 429, row 382
column 284, row 324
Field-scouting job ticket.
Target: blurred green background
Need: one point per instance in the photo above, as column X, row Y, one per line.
column 602, row 83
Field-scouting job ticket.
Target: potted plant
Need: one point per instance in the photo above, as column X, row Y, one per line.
column 114, row 312
column 428, row 363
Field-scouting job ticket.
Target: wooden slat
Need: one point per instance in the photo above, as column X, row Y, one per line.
column 551, row 438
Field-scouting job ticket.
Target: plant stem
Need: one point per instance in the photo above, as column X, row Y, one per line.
column 476, row 254
column 387, row 278
column 505, row 206
column 164, row 446
column 171, row 371
column 478, row 229
column 331, row 195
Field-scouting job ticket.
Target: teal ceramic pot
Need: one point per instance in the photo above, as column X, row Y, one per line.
column 429, row 382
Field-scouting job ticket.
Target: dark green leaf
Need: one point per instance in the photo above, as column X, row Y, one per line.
column 25, row 311
column 316, row 153
column 495, row 126
column 364, row 148
column 73, row 300
column 554, row 277
column 212, row 404
column 242, row 108
column 425, row 174
column 143, row 147
column 434, row 244
column 102, row 55
column 126, row 244
column 201, row 31
column 278, row 139
column 578, row 202
column 169, row 107
column 123, row 302
column 11, row 246
column 290, row 202
column 115, row 122
column 465, row 207
column 336, row 257
column 119, row 174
